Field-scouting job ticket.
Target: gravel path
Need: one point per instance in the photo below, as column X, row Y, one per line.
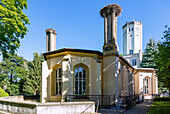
column 142, row 108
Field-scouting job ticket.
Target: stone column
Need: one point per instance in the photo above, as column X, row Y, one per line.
column 50, row 39
column 105, row 29
column 117, row 65
column 127, row 82
column 44, row 82
column 116, row 30
column 132, row 83
column 113, row 26
column 110, row 13
column 65, row 79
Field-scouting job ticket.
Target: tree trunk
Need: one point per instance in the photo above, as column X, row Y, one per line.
column 11, row 79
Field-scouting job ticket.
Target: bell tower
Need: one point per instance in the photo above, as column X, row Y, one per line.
column 50, row 39
column 110, row 14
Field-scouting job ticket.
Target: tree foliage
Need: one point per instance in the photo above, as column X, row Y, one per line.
column 3, row 93
column 12, row 25
column 162, row 59
column 148, row 56
column 33, row 79
column 13, row 72
column 18, row 76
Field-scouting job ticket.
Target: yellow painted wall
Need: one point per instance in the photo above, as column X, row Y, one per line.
column 109, row 75
column 124, row 81
column 136, row 83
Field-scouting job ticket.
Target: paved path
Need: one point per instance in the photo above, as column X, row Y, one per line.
column 141, row 108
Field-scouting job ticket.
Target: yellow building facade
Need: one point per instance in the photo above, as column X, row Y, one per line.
column 81, row 72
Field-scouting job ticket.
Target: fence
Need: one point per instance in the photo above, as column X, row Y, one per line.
column 105, row 101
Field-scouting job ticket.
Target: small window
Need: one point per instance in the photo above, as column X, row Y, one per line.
column 129, row 29
column 133, row 62
column 132, row 29
column 58, row 76
column 130, row 51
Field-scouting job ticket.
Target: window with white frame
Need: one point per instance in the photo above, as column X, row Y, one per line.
column 145, row 86
column 58, row 84
column 133, row 62
column 131, row 51
column 80, row 81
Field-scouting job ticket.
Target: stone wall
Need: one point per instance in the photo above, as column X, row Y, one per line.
column 17, row 105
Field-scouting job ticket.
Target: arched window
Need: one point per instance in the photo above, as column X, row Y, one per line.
column 80, row 81
column 58, row 82
column 145, row 86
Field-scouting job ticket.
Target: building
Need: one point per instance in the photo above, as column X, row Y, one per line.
column 132, row 43
column 132, row 37
column 80, row 72
column 132, row 52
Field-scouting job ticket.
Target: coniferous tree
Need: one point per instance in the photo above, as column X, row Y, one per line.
column 162, row 59
column 148, row 56
column 33, row 79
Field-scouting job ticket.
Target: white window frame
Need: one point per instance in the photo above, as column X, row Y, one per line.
column 134, row 62
column 58, row 81
column 80, row 80
column 145, row 86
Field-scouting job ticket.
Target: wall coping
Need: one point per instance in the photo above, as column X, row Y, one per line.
column 5, row 99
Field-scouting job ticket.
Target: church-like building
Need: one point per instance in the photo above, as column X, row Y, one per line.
column 81, row 72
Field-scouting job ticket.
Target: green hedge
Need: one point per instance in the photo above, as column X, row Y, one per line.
column 162, row 99
column 3, row 93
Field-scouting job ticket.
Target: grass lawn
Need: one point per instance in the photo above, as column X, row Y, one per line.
column 160, row 107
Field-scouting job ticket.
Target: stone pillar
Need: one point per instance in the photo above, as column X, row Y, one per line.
column 110, row 13
column 127, row 82
column 117, row 65
column 133, row 83
column 65, row 79
column 113, row 26
column 122, row 81
column 45, row 74
column 105, row 29
column 50, row 39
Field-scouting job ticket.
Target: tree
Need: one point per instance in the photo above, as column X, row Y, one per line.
column 148, row 56
column 3, row 93
column 12, row 73
column 33, row 79
column 162, row 59
column 12, row 25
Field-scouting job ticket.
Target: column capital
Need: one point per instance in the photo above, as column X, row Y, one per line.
column 107, row 10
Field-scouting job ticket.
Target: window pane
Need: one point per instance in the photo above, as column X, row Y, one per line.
column 76, row 73
column 84, row 73
column 56, row 88
column 80, row 81
column 58, row 81
column 60, row 87
column 59, row 72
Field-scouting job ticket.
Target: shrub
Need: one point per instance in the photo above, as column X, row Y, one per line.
column 162, row 99
column 3, row 93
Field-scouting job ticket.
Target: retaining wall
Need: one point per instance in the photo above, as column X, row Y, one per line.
column 17, row 105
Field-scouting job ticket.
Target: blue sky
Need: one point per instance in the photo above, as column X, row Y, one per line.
column 79, row 25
